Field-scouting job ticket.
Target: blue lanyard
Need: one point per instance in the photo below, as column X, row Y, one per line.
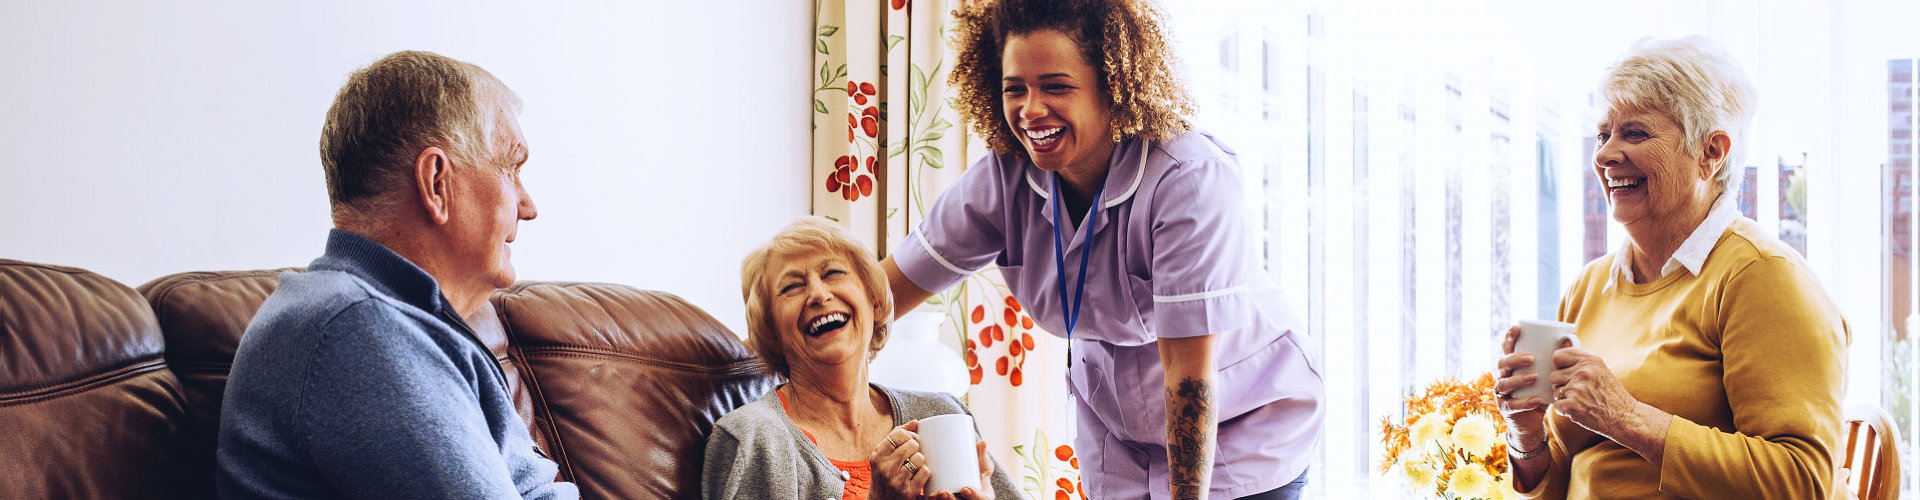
column 1072, row 311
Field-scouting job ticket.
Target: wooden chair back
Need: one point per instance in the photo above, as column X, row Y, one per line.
column 1872, row 458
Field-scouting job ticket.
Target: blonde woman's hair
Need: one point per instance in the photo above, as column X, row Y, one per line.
column 1697, row 82
column 808, row 234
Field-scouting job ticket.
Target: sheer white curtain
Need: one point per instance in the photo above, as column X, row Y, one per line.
column 1417, row 197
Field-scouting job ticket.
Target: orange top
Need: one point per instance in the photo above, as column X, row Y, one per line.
column 859, row 475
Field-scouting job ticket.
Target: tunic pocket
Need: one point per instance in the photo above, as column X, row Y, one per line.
column 1087, row 378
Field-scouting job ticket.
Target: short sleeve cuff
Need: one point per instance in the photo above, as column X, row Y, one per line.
column 926, row 268
column 1203, row 313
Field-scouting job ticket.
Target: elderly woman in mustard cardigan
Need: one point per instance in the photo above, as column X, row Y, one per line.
column 1711, row 362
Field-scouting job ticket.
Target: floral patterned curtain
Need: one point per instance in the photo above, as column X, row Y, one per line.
column 877, row 172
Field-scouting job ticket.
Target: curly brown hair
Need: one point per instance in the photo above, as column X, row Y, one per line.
column 1135, row 63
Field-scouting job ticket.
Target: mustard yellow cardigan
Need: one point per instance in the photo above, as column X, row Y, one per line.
column 1750, row 358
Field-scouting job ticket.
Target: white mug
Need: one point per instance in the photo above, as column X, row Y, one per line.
column 1540, row 338
column 948, row 442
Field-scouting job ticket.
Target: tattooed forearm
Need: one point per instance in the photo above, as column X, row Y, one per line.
column 1190, row 435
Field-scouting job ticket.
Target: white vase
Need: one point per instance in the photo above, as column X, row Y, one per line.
column 915, row 359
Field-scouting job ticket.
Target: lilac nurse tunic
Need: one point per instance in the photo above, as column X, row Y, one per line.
column 1170, row 258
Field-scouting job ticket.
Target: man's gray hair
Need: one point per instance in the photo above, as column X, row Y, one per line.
column 391, row 110
column 1697, row 82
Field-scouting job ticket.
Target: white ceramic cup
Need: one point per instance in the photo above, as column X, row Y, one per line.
column 1540, row 338
column 948, row 443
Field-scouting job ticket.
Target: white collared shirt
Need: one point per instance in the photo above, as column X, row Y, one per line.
column 1692, row 253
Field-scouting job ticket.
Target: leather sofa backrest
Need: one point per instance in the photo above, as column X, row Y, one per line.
column 626, row 383
column 88, row 406
column 621, row 386
column 204, row 314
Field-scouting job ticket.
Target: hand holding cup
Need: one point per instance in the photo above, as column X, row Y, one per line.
column 952, row 460
column 1522, row 384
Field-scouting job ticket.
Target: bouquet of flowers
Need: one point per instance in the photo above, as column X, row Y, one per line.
column 1450, row 442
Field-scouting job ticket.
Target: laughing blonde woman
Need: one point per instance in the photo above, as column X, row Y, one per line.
column 817, row 311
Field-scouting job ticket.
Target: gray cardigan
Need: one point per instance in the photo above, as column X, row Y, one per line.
column 756, row 452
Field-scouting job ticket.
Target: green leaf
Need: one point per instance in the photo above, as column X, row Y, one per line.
column 842, row 71
column 928, row 150
column 819, row 107
column 936, row 300
column 831, row 218
column 916, row 88
column 891, row 213
column 894, row 40
column 828, row 30
column 940, row 124
column 932, row 159
column 824, row 79
column 931, row 136
column 819, row 45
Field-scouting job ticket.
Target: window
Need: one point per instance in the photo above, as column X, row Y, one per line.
column 1415, row 199
column 1897, row 231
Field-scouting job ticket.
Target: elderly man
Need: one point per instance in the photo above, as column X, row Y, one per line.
column 358, row 378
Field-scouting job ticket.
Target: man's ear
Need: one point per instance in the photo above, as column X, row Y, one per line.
column 433, row 178
column 1713, row 158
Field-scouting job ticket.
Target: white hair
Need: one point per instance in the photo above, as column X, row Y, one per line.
column 392, row 109
column 1696, row 81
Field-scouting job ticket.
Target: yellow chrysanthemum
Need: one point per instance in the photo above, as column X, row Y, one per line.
column 1475, row 434
column 1420, row 474
column 1431, row 427
column 1471, row 482
column 1447, row 440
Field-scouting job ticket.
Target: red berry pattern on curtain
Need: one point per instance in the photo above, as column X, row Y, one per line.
column 885, row 145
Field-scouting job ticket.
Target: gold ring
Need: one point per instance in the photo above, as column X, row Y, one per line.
column 911, row 468
column 890, row 441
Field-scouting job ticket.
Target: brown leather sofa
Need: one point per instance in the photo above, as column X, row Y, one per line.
column 106, row 395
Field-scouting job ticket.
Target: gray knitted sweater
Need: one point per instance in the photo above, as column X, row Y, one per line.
column 756, row 452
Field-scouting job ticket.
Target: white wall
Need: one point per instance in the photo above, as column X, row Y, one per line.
column 140, row 139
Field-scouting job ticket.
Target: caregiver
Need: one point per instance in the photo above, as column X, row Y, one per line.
column 1122, row 229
